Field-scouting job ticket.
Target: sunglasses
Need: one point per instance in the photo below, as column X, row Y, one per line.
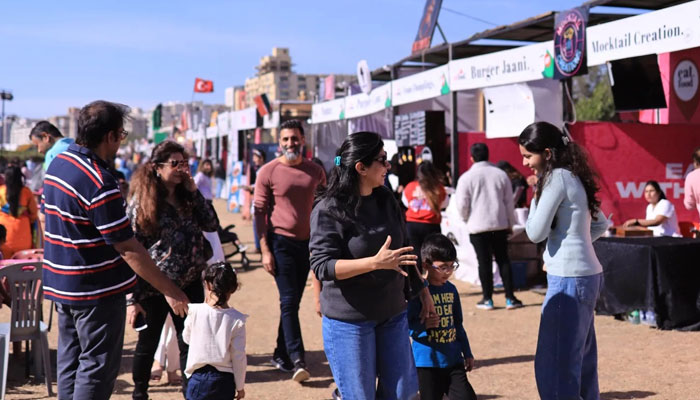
column 175, row 163
column 383, row 159
column 446, row 269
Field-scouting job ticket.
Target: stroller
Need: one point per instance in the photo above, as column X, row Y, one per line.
column 228, row 240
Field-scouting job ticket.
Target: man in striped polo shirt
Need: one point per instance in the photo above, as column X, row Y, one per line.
column 90, row 256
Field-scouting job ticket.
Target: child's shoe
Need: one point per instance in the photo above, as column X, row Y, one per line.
column 300, row 372
column 513, row 303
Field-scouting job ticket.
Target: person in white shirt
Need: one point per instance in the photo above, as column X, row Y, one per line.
column 661, row 214
column 216, row 361
column 484, row 198
column 203, row 179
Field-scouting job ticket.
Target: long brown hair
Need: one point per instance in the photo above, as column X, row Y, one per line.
column 430, row 181
column 539, row 136
column 148, row 190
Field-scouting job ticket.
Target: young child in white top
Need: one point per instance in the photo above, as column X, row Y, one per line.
column 216, row 362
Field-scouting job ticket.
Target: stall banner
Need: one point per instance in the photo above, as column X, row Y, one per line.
column 244, row 119
column 427, row 26
column 236, row 180
column 628, row 155
column 421, row 86
column 224, row 123
column 509, row 109
column 211, row 132
column 670, row 29
column 333, row 110
column 570, row 43
column 520, row 64
column 361, row 104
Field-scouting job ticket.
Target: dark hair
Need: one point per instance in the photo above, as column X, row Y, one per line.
column 509, row 170
column 539, row 136
column 343, row 187
column 97, row 119
column 3, row 234
column 430, row 180
column 200, row 167
column 222, row 279
column 696, row 155
column 479, row 152
column 655, row 185
column 293, row 124
column 150, row 192
column 45, row 127
column 14, row 182
column 437, row 247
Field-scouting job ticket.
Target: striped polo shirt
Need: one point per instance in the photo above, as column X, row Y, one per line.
column 85, row 215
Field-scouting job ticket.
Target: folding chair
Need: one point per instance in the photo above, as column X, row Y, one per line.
column 26, row 293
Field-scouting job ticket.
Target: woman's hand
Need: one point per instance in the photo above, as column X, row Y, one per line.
column 241, row 394
column 630, row 222
column 132, row 311
column 428, row 315
column 469, row 364
column 394, row 259
column 189, row 181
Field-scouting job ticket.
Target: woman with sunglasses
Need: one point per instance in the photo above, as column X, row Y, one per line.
column 168, row 214
column 360, row 253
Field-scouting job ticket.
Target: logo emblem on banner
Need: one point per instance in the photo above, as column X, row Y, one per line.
column 570, row 43
column 685, row 86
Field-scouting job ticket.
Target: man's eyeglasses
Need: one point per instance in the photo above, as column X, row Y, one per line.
column 175, row 163
column 123, row 134
column 446, row 268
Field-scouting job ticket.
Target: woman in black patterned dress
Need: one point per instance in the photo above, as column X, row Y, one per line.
column 168, row 215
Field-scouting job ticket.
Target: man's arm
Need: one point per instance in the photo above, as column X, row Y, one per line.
column 262, row 201
column 138, row 259
column 690, row 198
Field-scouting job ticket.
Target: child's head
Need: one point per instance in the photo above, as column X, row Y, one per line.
column 439, row 257
column 220, row 279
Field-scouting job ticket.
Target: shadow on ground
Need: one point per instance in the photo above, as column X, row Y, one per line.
column 504, row 360
column 316, row 364
column 633, row 394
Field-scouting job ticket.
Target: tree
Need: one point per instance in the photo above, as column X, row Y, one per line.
column 593, row 96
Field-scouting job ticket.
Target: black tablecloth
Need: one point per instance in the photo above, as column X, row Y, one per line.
column 660, row 274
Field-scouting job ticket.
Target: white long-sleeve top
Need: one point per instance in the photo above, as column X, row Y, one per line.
column 484, row 198
column 217, row 338
column 569, row 251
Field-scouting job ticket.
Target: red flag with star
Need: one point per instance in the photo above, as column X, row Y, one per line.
column 203, row 86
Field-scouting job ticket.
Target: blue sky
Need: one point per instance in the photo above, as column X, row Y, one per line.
column 57, row 54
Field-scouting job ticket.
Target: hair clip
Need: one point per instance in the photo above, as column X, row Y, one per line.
column 337, row 160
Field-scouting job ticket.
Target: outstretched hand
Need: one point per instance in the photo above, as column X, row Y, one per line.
column 394, row 259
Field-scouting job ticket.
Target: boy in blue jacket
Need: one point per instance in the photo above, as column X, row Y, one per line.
column 442, row 354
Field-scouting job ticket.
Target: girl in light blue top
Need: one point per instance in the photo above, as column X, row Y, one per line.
column 565, row 211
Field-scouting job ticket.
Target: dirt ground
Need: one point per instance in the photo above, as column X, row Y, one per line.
column 635, row 361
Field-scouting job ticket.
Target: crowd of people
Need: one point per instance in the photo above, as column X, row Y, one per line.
column 123, row 249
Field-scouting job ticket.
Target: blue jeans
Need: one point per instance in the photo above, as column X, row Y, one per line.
column 208, row 383
column 359, row 352
column 291, row 271
column 90, row 341
column 566, row 362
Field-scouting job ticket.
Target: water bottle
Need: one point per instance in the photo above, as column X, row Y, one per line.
column 634, row 317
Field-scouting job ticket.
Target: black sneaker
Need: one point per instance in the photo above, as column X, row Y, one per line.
column 513, row 303
column 283, row 364
column 300, row 372
column 336, row 394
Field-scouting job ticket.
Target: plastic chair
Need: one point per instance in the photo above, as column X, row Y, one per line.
column 26, row 293
column 34, row 254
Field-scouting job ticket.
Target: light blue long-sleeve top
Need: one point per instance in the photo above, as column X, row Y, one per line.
column 569, row 251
